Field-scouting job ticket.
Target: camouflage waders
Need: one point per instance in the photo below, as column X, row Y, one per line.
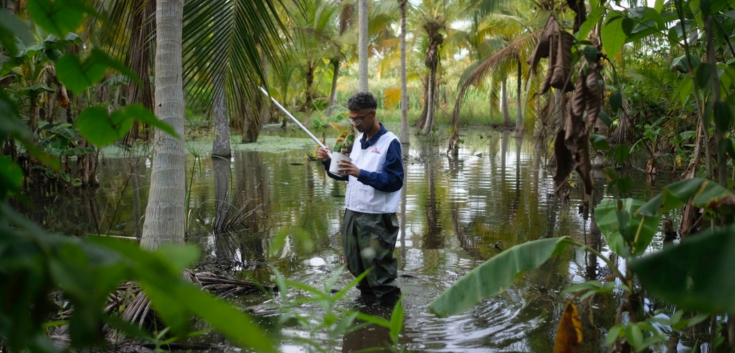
column 368, row 241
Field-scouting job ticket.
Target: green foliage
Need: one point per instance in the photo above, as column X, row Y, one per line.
column 613, row 35
column 625, row 231
column 696, row 274
column 495, row 275
column 700, row 191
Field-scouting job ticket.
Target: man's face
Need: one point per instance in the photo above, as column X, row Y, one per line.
column 362, row 119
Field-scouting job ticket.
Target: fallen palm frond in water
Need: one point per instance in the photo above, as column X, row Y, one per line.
column 132, row 305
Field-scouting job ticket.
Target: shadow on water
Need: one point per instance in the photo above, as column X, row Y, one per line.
column 454, row 214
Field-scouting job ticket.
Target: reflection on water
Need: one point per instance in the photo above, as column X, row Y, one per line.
column 454, row 215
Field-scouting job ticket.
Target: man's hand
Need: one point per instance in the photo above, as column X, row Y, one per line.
column 347, row 168
column 322, row 154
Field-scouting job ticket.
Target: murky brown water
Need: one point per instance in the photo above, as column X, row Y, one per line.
column 457, row 215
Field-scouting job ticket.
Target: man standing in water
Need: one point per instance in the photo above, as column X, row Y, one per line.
column 375, row 179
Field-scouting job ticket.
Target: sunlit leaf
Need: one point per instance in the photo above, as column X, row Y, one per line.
column 592, row 18
column 613, row 36
column 495, row 275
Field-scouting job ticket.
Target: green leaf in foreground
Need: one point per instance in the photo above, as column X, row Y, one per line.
column 102, row 129
column 142, row 114
column 613, row 36
column 57, row 17
column 608, row 220
column 698, row 274
column 495, row 275
column 77, row 75
column 675, row 195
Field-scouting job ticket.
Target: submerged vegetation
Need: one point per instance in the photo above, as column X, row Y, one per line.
column 599, row 86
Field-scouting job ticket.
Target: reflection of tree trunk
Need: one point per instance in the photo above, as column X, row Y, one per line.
column 224, row 247
column 519, row 140
column 404, row 86
column 432, row 239
column 429, row 125
column 519, row 113
column 595, row 239
column 404, row 192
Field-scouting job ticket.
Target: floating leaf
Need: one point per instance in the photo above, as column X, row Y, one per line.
column 495, row 275
column 697, row 274
column 569, row 332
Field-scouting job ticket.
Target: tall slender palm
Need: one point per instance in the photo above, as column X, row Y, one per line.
column 345, row 20
column 164, row 216
column 363, row 44
column 404, row 85
column 519, row 36
column 434, row 24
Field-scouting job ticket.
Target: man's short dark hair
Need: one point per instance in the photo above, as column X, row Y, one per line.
column 362, row 100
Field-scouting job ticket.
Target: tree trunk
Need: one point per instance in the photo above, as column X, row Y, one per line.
column 221, row 144
column 165, row 214
column 333, row 93
column 504, row 102
column 404, row 85
column 362, row 47
column 265, row 105
column 429, row 125
column 425, row 110
column 136, row 201
column 309, row 96
column 519, row 113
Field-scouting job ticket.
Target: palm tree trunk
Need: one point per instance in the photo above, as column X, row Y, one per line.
column 164, row 217
column 309, row 96
column 430, row 102
column 333, row 93
column 404, row 85
column 504, row 102
column 519, row 113
column 265, row 108
column 363, row 44
column 221, row 144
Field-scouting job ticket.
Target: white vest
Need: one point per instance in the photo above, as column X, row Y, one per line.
column 363, row 198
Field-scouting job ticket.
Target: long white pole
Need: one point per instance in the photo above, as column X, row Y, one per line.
column 294, row 119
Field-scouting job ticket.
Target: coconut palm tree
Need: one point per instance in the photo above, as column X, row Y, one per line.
column 362, row 14
column 519, row 36
column 433, row 24
column 232, row 53
column 164, row 216
column 404, row 84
